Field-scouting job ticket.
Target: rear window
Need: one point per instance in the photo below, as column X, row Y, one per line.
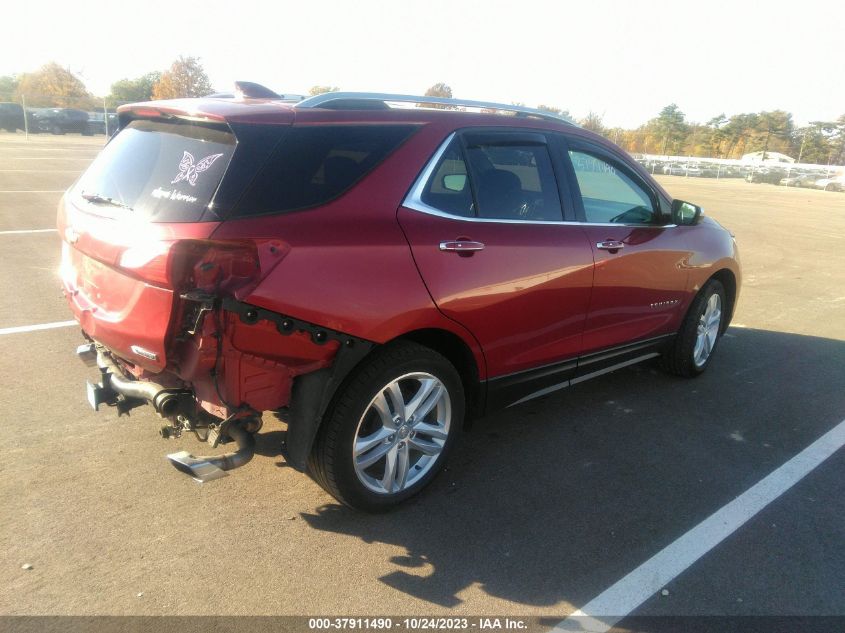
column 313, row 165
column 162, row 171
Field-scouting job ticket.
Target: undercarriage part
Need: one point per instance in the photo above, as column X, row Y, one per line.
column 208, row 468
column 124, row 393
column 87, row 353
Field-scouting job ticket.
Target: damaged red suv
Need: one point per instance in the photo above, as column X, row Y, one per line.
column 376, row 275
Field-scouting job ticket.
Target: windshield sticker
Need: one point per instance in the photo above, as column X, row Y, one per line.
column 189, row 171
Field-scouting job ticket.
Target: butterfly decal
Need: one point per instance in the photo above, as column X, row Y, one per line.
column 189, row 171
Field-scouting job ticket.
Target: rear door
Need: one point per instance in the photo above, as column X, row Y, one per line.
column 641, row 261
column 486, row 227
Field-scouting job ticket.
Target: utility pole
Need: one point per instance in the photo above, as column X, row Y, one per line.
column 25, row 118
column 801, row 151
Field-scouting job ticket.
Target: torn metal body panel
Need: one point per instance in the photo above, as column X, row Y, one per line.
column 236, row 360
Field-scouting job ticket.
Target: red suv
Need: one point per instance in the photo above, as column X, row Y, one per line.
column 376, row 275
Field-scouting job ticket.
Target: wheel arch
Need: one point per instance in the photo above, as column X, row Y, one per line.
column 727, row 278
column 315, row 394
column 462, row 358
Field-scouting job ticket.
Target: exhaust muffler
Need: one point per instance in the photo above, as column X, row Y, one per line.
column 165, row 400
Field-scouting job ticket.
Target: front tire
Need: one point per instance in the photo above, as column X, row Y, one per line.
column 390, row 428
column 693, row 347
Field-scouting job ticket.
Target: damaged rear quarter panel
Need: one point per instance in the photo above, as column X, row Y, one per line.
column 348, row 266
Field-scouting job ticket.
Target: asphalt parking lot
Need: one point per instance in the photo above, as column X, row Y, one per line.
column 543, row 508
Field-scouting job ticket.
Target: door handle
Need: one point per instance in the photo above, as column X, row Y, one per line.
column 461, row 246
column 610, row 245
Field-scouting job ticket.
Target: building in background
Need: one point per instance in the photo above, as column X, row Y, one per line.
column 771, row 157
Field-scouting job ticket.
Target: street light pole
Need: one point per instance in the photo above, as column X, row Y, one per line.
column 25, row 118
column 801, row 151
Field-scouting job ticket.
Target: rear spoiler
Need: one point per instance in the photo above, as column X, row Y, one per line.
column 216, row 108
column 166, row 110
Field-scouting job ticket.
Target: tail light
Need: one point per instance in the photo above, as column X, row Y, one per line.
column 212, row 266
column 148, row 261
column 215, row 266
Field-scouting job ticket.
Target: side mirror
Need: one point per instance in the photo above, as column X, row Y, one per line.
column 685, row 213
column 454, row 182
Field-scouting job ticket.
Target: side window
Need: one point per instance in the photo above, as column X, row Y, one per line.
column 315, row 164
column 608, row 194
column 448, row 189
column 514, row 181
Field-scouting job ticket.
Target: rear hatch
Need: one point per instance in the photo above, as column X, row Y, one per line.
column 144, row 204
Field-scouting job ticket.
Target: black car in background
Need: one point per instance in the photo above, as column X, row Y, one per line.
column 58, row 120
column 770, row 175
column 11, row 116
column 100, row 123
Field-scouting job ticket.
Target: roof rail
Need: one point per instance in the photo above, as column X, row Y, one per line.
column 356, row 101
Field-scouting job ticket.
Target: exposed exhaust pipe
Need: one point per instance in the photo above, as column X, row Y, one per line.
column 164, row 399
column 207, row 468
column 166, row 403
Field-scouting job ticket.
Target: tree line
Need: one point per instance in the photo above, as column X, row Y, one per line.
column 819, row 142
column 669, row 132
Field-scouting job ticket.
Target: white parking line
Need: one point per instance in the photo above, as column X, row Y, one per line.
column 52, row 149
column 34, row 328
column 613, row 604
column 28, row 231
column 43, row 158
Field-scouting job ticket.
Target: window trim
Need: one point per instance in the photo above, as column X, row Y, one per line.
column 413, row 200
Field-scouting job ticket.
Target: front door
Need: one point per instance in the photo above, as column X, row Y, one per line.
column 641, row 262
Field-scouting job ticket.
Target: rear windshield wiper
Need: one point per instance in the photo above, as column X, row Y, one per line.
column 98, row 199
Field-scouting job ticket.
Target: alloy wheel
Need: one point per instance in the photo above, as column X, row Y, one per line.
column 402, row 433
column 708, row 330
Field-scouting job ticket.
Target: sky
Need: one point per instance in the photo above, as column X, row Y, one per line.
column 622, row 60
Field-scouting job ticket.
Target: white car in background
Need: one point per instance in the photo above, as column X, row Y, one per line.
column 835, row 183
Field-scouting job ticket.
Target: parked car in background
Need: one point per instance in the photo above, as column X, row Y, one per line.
column 836, row 183
column 374, row 274
column 673, row 169
column 729, row 171
column 693, row 170
column 765, row 175
column 58, row 120
column 11, row 116
column 799, row 180
column 100, row 123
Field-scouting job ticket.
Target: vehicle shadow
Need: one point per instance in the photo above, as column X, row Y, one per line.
column 550, row 502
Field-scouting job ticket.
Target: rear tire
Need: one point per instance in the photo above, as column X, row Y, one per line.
column 693, row 347
column 390, row 428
